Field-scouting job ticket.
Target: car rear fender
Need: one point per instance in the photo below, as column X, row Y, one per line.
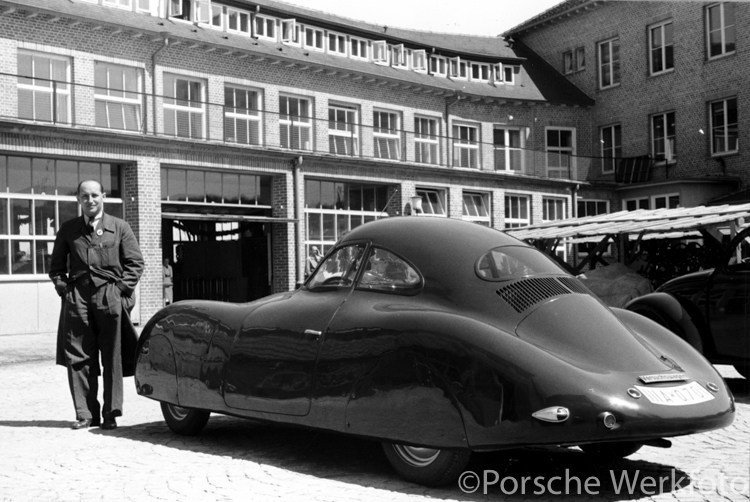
column 155, row 372
column 667, row 310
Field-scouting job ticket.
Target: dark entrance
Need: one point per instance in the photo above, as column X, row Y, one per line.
column 217, row 259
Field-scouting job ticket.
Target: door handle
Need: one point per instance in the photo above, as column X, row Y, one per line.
column 315, row 334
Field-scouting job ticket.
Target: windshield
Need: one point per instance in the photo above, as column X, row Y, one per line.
column 513, row 262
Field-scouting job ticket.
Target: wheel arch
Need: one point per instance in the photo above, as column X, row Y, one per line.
column 682, row 319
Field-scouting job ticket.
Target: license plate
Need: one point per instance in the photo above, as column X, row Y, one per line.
column 690, row 393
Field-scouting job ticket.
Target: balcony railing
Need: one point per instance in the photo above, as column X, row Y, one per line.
column 87, row 107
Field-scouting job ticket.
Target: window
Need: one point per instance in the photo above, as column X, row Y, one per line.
column 465, row 146
column 438, row 66
column 553, row 209
column 517, row 211
column 591, row 207
column 238, row 21
column 433, row 202
column 184, row 107
column 668, row 201
column 610, row 138
column 359, row 48
column 198, row 11
column 609, row 63
column 44, row 88
column 117, row 96
column 661, row 48
column 635, row 204
column 295, row 123
column 241, row 115
column 567, row 62
column 508, row 144
column 122, row 4
column 200, row 186
column 480, row 72
column 663, row 147
column 334, row 208
column 398, row 56
column 265, row 27
column 386, row 272
column 380, row 52
column 720, row 29
column 336, row 44
column 314, row 39
column 419, row 60
column 339, row 269
column 724, row 131
column 426, row 140
column 39, row 194
column 386, row 135
column 476, row 208
column 560, row 152
column 458, row 68
column 217, row 16
column 342, row 130
column 289, row 31
column 580, row 58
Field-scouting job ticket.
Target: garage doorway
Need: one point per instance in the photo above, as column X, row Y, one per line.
column 216, row 259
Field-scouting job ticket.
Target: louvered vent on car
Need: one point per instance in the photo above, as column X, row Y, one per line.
column 523, row 294
column 574, row 285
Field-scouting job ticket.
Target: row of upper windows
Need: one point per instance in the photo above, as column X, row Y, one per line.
column 720, row 37
column 289, row 31
column 45, row 94
column 722, row 126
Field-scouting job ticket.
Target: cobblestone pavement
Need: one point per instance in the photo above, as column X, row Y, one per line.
column 234, row 459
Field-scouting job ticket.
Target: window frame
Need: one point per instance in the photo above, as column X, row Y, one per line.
column 520, row 203
column 319, row 39
column 305, row 123
column 484, row 71
column 458, row 68
column 612, row 64
column 560, row 150
column 56, row 89
column 428, row 140
column 663, row 157
column 362, row 44
column 485, row 200
column 438, row 65
column 123, row 101
column 726, row 126
column 723, row 28
column 666, row 50
column 667, row 197
column 351, row 131
column 470, row 146
column 437, row 208
column 383, row 134
column 580, row 58
column 419, row 60
column 239, row 13
column 507, row 149
column 616, row 147
column 174, row 106
column 340, row 46
column 248, row 117
column 265, row 21
column 380, row 52
column 568, row 63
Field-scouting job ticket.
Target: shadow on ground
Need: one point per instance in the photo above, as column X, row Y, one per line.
column 528, row 473
column 740, row 387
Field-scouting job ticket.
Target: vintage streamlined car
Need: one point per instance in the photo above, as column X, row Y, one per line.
column 436, row 337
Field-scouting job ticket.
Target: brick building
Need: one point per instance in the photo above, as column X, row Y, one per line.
column 234, row 135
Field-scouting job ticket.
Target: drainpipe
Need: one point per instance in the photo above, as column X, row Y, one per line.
column 164, row 45
column 298, row 215
column 450, row 100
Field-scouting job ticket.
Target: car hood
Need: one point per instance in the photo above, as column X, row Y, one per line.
column 582, row 331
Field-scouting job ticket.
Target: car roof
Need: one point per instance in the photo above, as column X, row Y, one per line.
column 433, row 244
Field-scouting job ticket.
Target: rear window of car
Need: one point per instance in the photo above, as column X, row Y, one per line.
column 512, row 262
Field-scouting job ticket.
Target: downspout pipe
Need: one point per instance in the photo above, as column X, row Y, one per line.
column 165, row 44
column 298, row 215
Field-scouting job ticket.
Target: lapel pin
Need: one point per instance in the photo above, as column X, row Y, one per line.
column 99, row 232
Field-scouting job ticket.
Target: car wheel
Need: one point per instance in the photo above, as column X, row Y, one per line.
column 426, row 466
column 185, row 421
column 611, row 451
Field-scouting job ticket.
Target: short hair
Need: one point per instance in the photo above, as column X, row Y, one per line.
column 78, row 189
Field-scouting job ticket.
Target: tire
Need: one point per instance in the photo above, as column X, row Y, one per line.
column 611, row 451
column 185, row 421
column 426, row 466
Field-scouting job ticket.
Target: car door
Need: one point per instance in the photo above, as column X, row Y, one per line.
column 272, row 361
column 729, row 301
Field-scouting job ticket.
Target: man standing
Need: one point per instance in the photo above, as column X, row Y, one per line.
column 96, row 264
column 167, row 283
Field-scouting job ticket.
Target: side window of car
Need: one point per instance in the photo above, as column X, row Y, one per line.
column 384, row 271
column 339, row 269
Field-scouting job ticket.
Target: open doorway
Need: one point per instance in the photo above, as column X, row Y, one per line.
column 216, row 259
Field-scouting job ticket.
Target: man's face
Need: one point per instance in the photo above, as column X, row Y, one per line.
column 91, row 198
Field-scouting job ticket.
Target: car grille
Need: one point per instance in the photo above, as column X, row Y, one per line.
column 525, row 293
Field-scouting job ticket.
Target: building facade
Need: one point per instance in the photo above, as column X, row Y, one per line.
column 236, row 135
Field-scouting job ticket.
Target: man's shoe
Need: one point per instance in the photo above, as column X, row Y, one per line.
column 109, row 423
column 83, row 423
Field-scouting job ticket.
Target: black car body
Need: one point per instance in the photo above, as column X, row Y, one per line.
column 437, row 337
column 709, row 309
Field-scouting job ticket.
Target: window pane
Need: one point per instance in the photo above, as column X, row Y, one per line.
column 19, row 174
column 69, row 210
column 3, row 216
column 44, row 216
column 22, row 253
column 213, row 187
column 176, row 183
column 67, row 177
column 43, row 176
column 20, row 217
column 231, row 188
column 90, row 171
column 196, row 188
column 248, row 189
